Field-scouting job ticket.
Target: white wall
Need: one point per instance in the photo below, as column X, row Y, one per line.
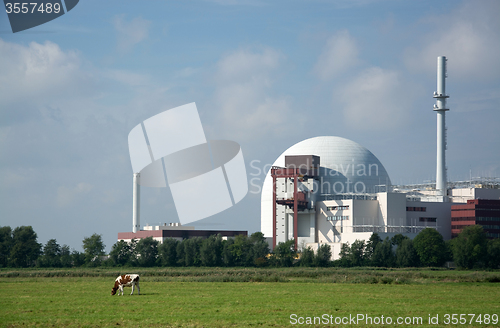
column 365, row 213
column 332, row 231
column 438, row 210
column 392, row 208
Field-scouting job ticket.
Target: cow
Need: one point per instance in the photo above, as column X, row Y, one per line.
column 126, row 280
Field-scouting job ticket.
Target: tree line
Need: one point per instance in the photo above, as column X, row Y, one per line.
column 471, row 249
column 19, row 248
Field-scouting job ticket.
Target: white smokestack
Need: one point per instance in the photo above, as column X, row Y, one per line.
column 440, row 108
column 136, row 203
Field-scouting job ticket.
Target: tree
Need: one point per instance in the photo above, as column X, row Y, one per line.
column 323, row 256
column 211, row 251
column 66, row 260
column 430, row 247
column 93, row 248
column 307, row 257
column 121, row 253
column 168, row 252
column 371, row 245
column 470, row 248
column 51, row 254
column 147, row 252
column 25, row 250
column 396, row 240
column 77, row 258
column 260, row 248
column 406, row 255
column 192, row 251
column 357, row 253
column 227, row 255
column 345, row 256
column 241, row 251
column 179, row 250
column 285, row 253
column 5, row 245
column 383, row 255
column 494, row 253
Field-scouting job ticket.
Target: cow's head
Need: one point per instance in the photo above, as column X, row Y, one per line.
column 113, row 290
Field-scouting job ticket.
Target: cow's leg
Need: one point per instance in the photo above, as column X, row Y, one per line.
column 133, row 284
column 121, row 290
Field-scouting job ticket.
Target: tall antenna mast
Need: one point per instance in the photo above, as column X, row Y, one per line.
column 440, row 109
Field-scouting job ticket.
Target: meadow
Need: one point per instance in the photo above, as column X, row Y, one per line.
column 244, row 297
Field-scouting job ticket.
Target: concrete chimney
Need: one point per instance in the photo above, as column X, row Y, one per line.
column 136, row 224
column 440, row 109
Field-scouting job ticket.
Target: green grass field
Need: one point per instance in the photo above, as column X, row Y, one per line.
column 187, row 298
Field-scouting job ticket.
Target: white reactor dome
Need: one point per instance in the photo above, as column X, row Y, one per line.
column 346, row 167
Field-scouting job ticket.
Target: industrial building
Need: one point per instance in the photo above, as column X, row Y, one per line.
column 483, row 212
column 171, row 147
column 332, row 190
column 175, row 231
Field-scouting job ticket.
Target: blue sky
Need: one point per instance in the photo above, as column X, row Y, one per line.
column 266, row 74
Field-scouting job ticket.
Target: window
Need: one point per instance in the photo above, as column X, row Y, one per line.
column 482, row 218
column 337, row 218
column 427, row 219
column 416, row 209
column 464, row 219
column 495, row 227
column 337, row 208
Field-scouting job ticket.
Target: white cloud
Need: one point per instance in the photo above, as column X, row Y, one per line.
column 469, row 37
column 245, row 65
column 127, row 78
column 40, row 73
column 67, row 195
column 340, row 53
column 130, row 32
column 481, row 100
column 376, row 99
column 248, row 107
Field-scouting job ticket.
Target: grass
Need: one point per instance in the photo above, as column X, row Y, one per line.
column 323, row 275
column 180, row 297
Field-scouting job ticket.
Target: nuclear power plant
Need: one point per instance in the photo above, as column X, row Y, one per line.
column 323, row 190
column 330, row 190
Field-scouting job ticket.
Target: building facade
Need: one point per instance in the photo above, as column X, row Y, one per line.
column 342, row 194
column 483, row 212
column 176, row 231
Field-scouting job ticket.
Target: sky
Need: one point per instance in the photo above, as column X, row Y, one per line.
column 266, row 74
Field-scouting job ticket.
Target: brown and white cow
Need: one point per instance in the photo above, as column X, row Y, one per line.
column 126, row 280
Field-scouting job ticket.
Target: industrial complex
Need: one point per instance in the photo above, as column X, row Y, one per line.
column 331, row 190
